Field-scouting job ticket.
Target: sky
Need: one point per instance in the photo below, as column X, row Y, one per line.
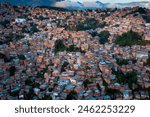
column 52, row 2
column 113, row 1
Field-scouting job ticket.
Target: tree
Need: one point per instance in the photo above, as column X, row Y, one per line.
column 28, row 81
column 15, row 93
column 65, row 64
column 21, row 57
column 29, row 95
column 12, row 70
column 72, row 48
column 131, row 78
column 72, row 96
column 3, row 56
column 122, row 61
column 59, row 46
column 33, row 29
column 46, row 97
column 103, row 37
column 98, row 86
column 146, row 18
column 87, row 24
column 85, row 83
column 40, row 74
column 104, row 15
column 130, row 38
column 112, row 92
column 5, row 23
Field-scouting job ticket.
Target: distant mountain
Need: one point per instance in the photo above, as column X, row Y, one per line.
column 131, row 4
column 70, row 5
column 80, row 5
column 97, row 4
column 76, row 5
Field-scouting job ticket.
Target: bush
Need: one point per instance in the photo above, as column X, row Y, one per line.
column 40, row 75
column 33, row 28
column 122, row 61
column 5, row 23
column 65, row 64
column 28, row 82
column 72, row 48
column 46, row 97
column 130, row 78
column 12, row 70
column 112, row 92
column 104, row 35
column 130, row 38
column 146, row 18
column 90, row 23
column 41, row 18
column 59, row 47
column 72, row 96
column 21, row 57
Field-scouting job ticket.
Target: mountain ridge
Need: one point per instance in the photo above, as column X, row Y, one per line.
column 78, row 5
column 97, row 4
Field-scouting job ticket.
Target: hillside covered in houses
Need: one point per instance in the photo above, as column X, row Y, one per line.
column 47, row 53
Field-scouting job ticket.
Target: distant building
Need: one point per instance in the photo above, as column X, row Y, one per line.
column 20, row 20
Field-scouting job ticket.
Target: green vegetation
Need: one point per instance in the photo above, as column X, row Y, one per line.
column 21, row 57
column 72, row 95
column 24, row 16
column 148, row 90
column 125, row 61
column 28, row 82
column 46, row 97
column 30, row 30
column 98, row 86
column 11, row 37
column 33, row 29
column 122, row 61
column 140, row 10
column 12, row 70
column 112, row 92
column 130, row 38
column 146, row 18
column 72, row 48
column 129, row 13
column 65, row 64
column 129, row 78
column 29, row 95
column 103, row 37
column 6, row 59
column 40, row 75
column 59, row 47
column 85, row 83
column 104, row 15
column 15, row 93
column 32, row 83
column 41, row 17
column 5, row 23
column 90, row 23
